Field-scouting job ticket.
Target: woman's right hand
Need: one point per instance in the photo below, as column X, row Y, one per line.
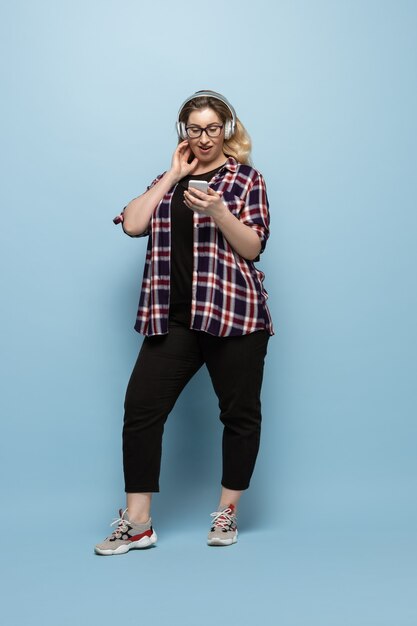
column 179, row 164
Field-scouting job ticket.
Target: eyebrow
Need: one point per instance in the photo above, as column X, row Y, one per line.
column 209, row 124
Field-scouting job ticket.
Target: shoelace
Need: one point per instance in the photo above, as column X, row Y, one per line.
column 227, row 515
column 123, row 525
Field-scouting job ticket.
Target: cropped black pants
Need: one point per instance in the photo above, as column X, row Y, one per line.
column 164, row 366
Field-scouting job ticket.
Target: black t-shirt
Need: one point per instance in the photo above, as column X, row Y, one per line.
column 182, row 251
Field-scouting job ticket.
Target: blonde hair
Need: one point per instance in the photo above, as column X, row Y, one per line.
column 239, row 145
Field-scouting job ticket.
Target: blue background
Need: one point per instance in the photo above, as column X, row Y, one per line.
column 90, row 94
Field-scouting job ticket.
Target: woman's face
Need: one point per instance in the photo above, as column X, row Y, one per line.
column 207, row 149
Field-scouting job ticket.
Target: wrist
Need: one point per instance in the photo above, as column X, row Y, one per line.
column 221, row 212
column 172, row 177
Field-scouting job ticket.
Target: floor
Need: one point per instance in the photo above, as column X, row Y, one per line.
column 288, row 576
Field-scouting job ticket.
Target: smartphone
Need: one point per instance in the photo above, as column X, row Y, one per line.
column 201, row 185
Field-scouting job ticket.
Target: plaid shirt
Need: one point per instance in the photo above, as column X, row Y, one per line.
column 228, row 297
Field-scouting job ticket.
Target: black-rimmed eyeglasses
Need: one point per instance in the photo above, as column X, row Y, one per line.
column 213, row 130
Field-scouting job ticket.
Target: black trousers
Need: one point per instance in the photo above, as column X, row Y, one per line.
column 164, row 366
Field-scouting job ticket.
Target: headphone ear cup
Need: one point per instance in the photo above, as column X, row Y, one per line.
column 228, row 129
column 182, row 134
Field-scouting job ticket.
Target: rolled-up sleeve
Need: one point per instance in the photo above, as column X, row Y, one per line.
column 120, row 217
column 255, row 212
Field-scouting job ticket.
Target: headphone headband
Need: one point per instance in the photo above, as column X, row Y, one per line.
column 230, row 127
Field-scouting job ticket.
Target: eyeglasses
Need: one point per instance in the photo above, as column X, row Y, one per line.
column 213, row 130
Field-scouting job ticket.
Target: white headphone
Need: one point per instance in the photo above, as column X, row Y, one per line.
column 230, row 125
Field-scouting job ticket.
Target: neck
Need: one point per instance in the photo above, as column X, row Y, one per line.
column 202, row 168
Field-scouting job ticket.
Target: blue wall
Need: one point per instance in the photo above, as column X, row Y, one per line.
column 327, row 91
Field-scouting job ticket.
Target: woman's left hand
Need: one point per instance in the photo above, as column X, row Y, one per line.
column 209, row 203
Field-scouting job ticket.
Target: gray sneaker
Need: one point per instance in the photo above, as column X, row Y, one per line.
column 223, row 531
column 127, row 536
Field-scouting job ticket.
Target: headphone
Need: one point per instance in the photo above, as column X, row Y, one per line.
column 230, row 125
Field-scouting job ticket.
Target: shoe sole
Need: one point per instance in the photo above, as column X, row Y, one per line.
column 216, row 541
column 145, row 542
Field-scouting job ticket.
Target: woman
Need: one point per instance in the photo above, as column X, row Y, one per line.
column 202, row 302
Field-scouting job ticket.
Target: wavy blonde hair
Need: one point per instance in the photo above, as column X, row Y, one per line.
column 239, row 145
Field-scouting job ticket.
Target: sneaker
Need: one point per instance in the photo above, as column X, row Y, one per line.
column 223, row 531
column 126, row 536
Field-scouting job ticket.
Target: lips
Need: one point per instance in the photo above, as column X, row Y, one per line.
column 205, row 149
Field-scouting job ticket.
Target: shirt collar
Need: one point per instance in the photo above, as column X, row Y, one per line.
column 231, row 164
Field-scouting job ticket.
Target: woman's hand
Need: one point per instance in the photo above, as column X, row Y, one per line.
column 179, row 164
column 209, row 203
column 242, row 238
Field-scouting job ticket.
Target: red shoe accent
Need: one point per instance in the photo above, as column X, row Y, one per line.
column 137, row 537
column 231, row 507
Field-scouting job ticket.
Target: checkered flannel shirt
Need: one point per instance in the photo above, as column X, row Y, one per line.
column 228, row 297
